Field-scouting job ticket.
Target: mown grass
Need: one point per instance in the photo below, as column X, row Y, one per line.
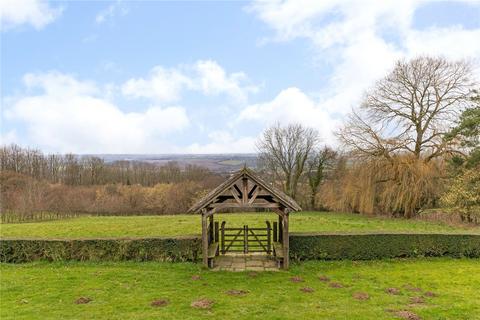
column 176, row 225
column 125, row 290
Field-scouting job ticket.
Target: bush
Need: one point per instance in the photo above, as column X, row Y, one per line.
column 152, row 249
column 302, row 247
column 464, row 195
column 379, row 246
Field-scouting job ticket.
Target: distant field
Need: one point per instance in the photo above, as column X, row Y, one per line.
column 427, row 288
column 177, row 225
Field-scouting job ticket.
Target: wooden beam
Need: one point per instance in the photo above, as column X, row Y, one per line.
column 239, row 191
column 210, row 229
column 209, row 212
column 204, row 239
column 235, row 195
column 225, row 205
column 286, row 242
column 244, row 190
column 254, row 194
column 280, row 228
column 250, row 193
column 279, row 212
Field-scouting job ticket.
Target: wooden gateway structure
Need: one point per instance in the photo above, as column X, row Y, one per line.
column 245, row 190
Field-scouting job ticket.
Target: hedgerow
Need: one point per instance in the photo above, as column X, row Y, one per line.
column 302, row 247
column 379, row 246
column 149, row 249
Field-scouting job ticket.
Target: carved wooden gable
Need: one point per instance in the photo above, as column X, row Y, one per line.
column 244, row 189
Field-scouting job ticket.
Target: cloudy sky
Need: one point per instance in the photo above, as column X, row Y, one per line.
column 204, row 77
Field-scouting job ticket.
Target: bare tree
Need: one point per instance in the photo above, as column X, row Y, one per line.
column 318, row 164
column 285, row 150
column 410, row 110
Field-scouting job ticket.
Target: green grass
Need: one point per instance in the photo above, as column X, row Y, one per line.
column 175, row 225
column 125, row 290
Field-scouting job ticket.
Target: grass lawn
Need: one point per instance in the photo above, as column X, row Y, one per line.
column 175, row 225
column 126, row 290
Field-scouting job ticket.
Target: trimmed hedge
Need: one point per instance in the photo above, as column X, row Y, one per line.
column 379, row 246
column 302, row 247
column 150, row 249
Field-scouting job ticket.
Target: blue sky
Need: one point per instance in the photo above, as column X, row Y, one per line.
column 205, row 77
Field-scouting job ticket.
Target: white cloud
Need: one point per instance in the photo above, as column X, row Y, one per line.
column 454, row 42
column 68, row 116
column 352, row 37
column 118, row 8
column 292, row 106
column 213, row 80
column 37, row 13
column 223, row 142
column 205, row 76
column 163, row 85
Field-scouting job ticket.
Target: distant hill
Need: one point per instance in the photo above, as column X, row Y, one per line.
column 221, row 163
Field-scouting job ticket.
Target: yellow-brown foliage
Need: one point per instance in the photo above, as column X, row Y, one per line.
column 399, row 186
column 463, row 195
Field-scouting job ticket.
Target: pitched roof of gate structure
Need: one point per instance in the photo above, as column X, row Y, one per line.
column 244, row 189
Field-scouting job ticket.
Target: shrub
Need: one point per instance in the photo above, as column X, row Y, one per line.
column 464, row 195
column 302, row 247
column 379, row 246
column 152, row 249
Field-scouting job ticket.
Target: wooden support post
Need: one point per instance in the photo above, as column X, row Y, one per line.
column 204, row 239
column 269, row 237
column 210, row 229
column 222, row 238
column 280, row 228
column 216, row 231
column 286, row 242
column 275, row 230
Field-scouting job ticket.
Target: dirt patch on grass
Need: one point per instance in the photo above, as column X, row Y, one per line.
column 335, row 285
column 409, row 287
column 417, row 300
column 159, row 303
column 234, row 292
column 409, row 315
column 83, row 300
column 394, row 291
column 324, row 278
column 307, row 290
column 296, row 279
column 430, row 294
column 253, row 274
column 361, row 296
column 202, row 304
column 196, row 277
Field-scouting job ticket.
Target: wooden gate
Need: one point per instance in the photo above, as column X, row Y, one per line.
column 246, row 239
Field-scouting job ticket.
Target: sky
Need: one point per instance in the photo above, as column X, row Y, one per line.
column 205, row 77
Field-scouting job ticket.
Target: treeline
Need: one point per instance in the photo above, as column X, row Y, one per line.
column 34, row 186
column 74, row 170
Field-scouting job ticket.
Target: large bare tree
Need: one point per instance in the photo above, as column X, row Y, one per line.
column 284, row 151
column 410, row 110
